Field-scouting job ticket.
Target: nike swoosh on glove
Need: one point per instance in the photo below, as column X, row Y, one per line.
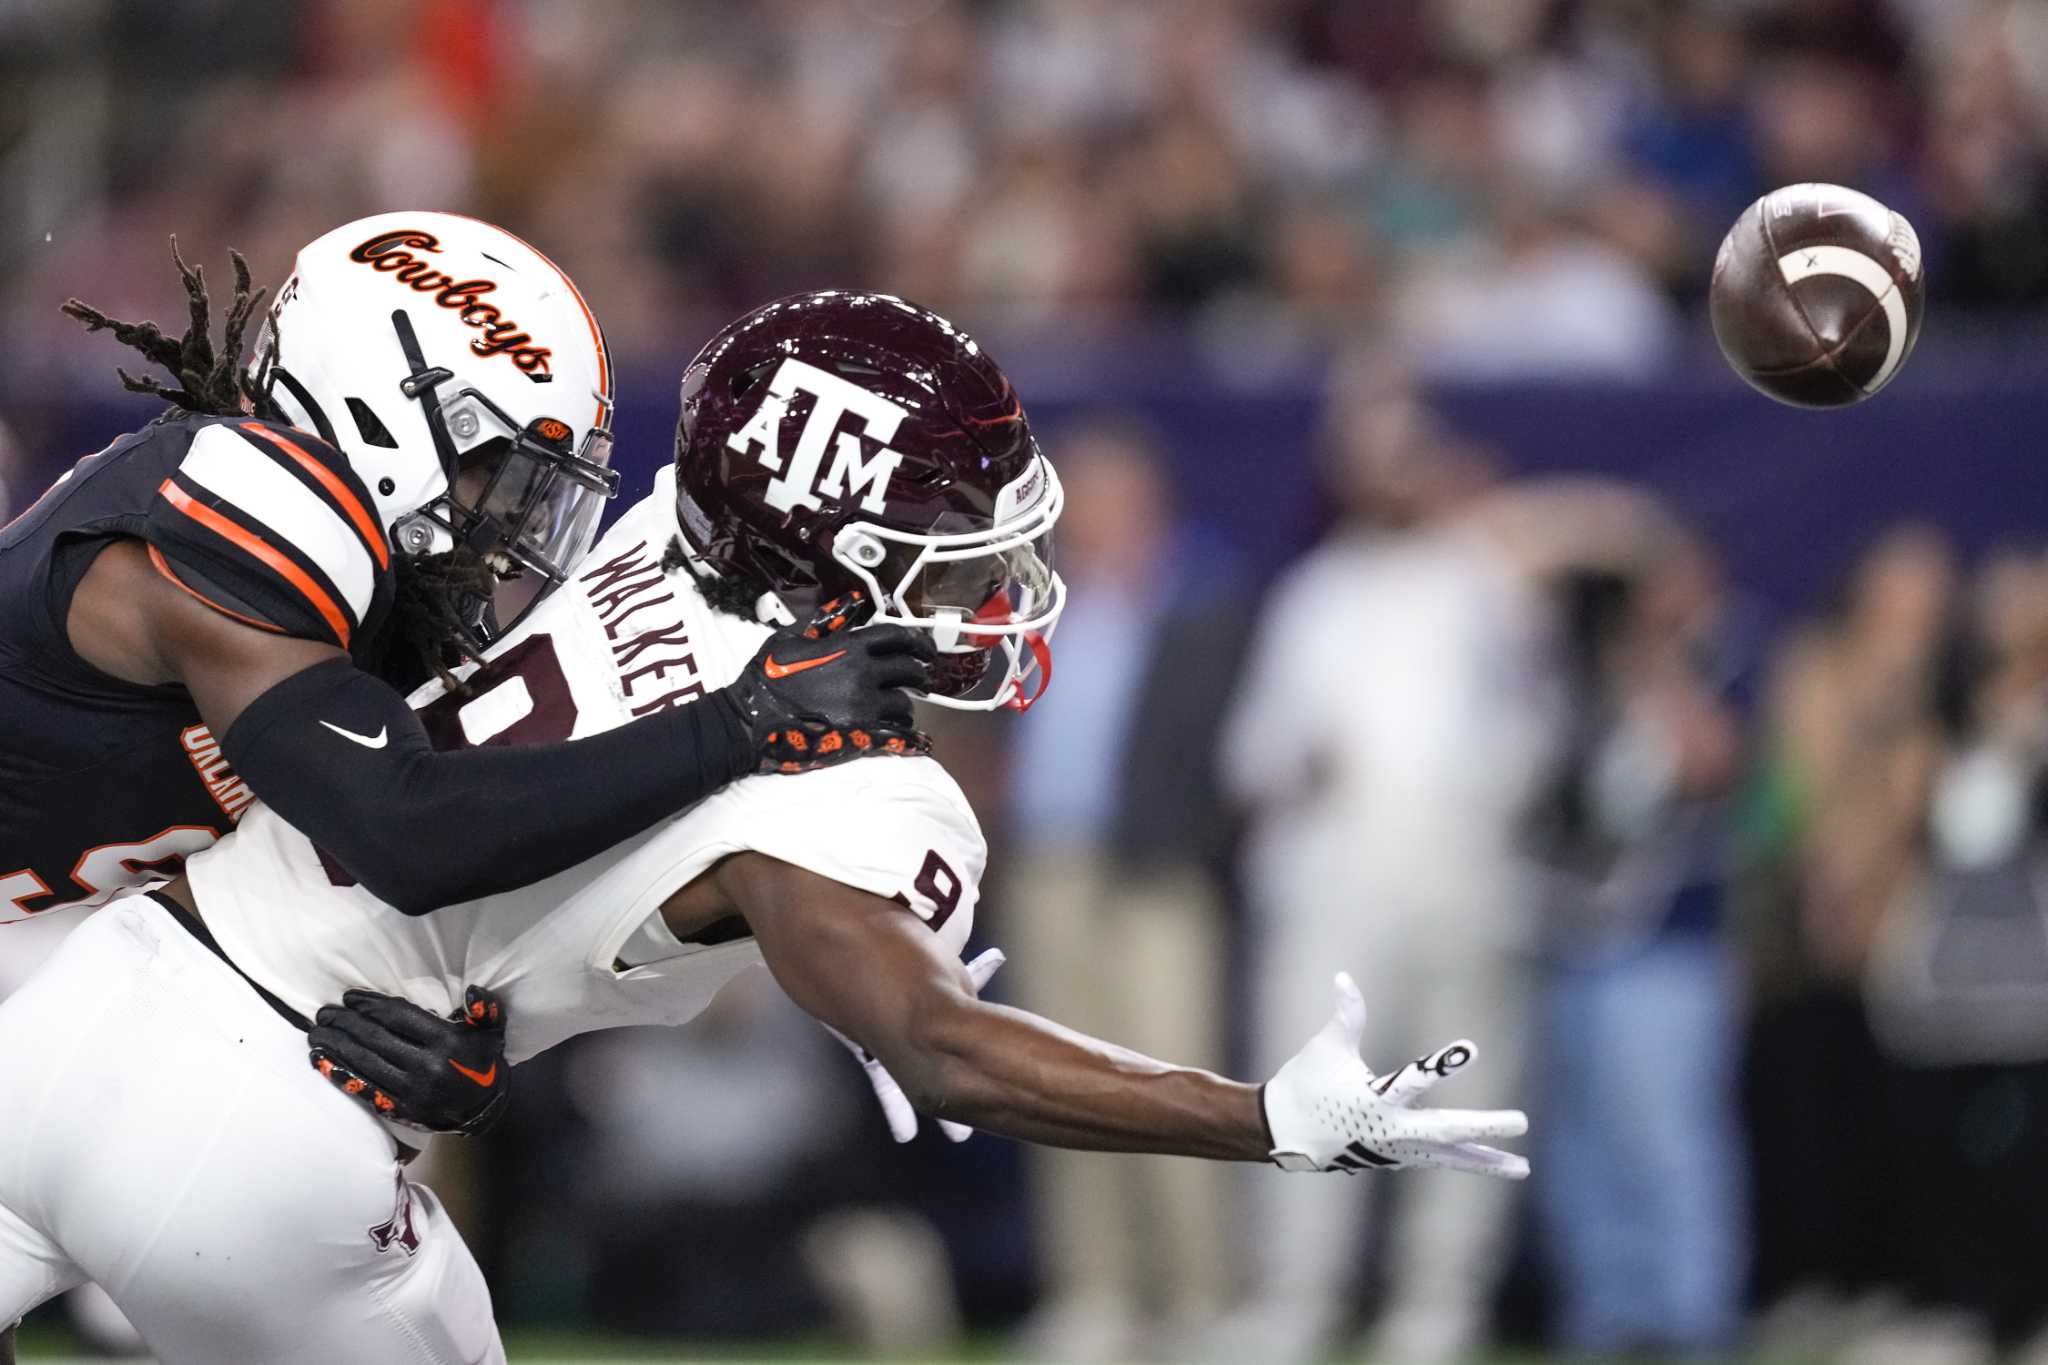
column 896, row 1106
column 410, row 1065
column 826, row 692
column 1326, row 1110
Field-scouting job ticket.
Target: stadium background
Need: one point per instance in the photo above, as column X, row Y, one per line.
column 1229, row 232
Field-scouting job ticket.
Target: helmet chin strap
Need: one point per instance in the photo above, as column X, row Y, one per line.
column 952, row 629
column 419, row 386
column 475, row 611
column 1041, row 651
column 997, row 610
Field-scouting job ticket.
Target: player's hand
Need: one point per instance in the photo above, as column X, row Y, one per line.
column 826, row 692
column 413, row 1066
column 895, row 1104
column 1327, row 1112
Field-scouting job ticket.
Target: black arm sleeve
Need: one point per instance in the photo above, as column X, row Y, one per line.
column 343, row 758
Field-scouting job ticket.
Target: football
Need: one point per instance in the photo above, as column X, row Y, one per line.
column 1817, row 295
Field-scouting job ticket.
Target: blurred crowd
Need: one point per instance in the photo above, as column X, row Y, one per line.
column 1753, row 917
column 1278, row 172
column 1754, row 921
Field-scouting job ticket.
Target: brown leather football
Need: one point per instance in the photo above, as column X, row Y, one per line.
column 1817, row 295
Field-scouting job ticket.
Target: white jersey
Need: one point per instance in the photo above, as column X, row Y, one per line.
column 587, row 949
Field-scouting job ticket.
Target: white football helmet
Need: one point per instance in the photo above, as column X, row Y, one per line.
column 462, row 374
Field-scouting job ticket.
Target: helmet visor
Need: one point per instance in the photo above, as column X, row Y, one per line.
column 520, row 493
column 995, row 588
column 984, row 594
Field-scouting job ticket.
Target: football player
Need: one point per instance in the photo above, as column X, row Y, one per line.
column 211, row 610
column 830, row 444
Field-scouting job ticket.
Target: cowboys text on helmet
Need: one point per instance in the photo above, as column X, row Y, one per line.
column 393, row 253
column 464, row 377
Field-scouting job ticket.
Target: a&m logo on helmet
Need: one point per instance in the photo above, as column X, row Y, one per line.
column 797, row 481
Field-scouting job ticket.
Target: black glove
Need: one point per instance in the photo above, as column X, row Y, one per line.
column 823, row 693
column 410, row 1064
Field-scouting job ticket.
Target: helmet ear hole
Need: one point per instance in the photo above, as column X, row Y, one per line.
column 369, row 426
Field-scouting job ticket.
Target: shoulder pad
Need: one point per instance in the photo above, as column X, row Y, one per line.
column 898, row 828
column 272, row 527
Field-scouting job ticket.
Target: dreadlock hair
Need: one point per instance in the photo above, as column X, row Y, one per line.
column 724, row 594
column 428, row 634
column 213, row 383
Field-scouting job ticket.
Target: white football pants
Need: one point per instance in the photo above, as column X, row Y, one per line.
column 165, row 1137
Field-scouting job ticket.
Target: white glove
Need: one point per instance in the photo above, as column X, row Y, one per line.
column 895, row 1104
column 1326, row 1110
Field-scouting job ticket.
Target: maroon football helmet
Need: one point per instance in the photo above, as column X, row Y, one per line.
column 840, row 441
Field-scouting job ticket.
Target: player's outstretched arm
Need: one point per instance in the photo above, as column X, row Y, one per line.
column 340, row 755
column 872, row 970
